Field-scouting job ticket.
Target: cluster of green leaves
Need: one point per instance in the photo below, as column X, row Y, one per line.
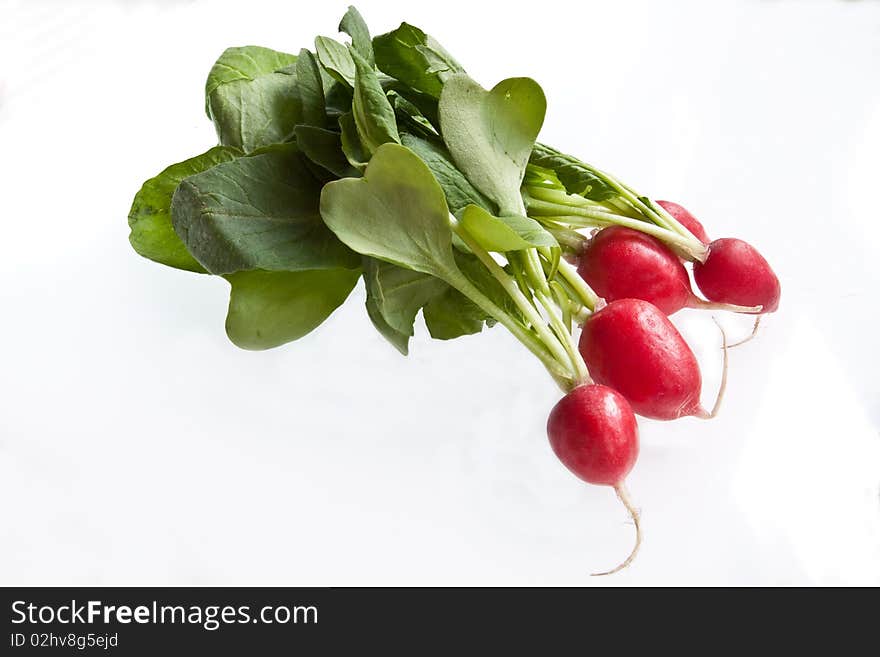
column 348, row 161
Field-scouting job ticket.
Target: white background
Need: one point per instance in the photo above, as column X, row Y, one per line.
column 138, row 446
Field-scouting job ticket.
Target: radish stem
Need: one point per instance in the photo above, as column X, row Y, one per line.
column 563, row 207
column 584, row 292
column 549, row 340
column 580, row 368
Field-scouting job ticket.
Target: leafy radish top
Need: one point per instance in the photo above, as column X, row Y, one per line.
column 455, row 174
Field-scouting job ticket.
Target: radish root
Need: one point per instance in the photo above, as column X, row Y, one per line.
column 702, row 304
column 751, row 336
column 623, row 496
column 703, row 414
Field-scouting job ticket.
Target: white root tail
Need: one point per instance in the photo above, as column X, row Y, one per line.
column 703, row 414
column 751, row 336
column 702, row 304
column 623, row 495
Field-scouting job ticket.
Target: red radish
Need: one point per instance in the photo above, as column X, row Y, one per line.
column 594, row 433
column 631, row 346
column 622, row 263
column 736, row 273
column 686, row 219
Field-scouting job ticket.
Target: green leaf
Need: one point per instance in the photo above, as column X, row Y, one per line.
column 577, row 177
column 335, row 59
column 352, row 147
column 311, row 89
column 490, row 134
column 415, row 59
column 400, row 293
column 420, row 106
column 410, row 118
column 458, row 189
column 354, row 25
column 244, row 63
column 252, row 97
column 258, row 212
column 397, row 212
column 337, row 95
column 373, row 114
column 152, row 235
column 398, row 340
column 452, row 315
column 270, row 308
column 324, row 148
column 507, row 233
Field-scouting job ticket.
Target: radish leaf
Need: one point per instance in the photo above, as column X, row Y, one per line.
column 269, row 308
column 490, row 134
column 574, row 174
column 244, row 64
column 335, row 59
column 324, row 148
column 459, row 191
column 415, row 58
column 452, row 315
column 508, row 233
column 398, row 340
column 258, row 212
column 252, row 98
column 354, row 26
column 311, row 89
column 150, row 217
column 373, row 114
column 400, row 293
column 354, row 150
column 397, row 212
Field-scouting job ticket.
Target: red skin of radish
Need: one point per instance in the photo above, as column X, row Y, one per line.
column 622, row 263
column 631, row 346
column 686, row 219
column 594, row 433
column 736, row 273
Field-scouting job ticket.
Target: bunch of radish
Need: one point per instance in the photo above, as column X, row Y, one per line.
column 638, row 361
column 380, row 159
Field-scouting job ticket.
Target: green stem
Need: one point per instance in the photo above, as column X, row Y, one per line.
column 623, row 207
column 672, row 221
column 580, row 367
column 564, row 302
column 650, row 209
column 549, row 340
column 633, row 198
column 567, row 238
column 555, row 203
column 585, row 293
column 520, row 277
column 589, row 218
column 574, row 305
column 562, row 375
column 534, row 271
column 578, row 291
column 561, row 197
column 581, row 316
